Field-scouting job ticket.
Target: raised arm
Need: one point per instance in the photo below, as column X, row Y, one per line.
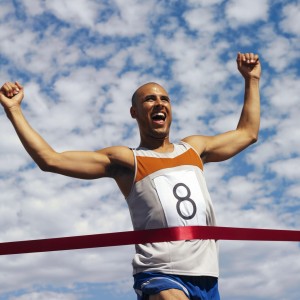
column 226, row 145
column 79, row 164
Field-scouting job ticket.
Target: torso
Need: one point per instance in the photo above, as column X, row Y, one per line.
column 169, row 190
column 123, row 167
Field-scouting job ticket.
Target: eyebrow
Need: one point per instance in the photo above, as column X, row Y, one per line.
column 155, row 95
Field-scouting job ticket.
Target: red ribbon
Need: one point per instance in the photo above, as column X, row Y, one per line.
column 148, row 236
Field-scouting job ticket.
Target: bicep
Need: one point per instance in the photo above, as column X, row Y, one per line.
column 224, row 146
column 220, row 147
column 80, row 164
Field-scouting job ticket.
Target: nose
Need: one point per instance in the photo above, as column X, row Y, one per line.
column 159, row 102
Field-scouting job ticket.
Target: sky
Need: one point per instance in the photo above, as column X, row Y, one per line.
column 80, row 61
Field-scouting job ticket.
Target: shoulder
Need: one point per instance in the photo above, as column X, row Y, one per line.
column 198, row 142
column 119, row 156
column 121, row 166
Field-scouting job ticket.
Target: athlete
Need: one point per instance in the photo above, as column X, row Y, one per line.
column 162, row 181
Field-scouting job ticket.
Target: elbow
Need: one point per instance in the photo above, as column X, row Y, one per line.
column 249, row 136
column 45, row 167
column 253, row 138
column 46, row 163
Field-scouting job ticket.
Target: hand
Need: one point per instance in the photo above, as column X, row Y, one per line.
column 11, row 95
column 248, row 64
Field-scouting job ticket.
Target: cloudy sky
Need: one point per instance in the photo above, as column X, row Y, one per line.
column 80, row 61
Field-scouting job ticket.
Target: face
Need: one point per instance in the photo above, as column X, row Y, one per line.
column 152, row 110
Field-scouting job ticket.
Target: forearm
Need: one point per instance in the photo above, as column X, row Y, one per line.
column 250, row 117
column 34, row 144
column 78, row 164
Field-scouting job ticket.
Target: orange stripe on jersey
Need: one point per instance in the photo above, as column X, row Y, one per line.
column 147, row 165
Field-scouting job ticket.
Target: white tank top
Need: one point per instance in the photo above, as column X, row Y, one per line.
column 169, row 190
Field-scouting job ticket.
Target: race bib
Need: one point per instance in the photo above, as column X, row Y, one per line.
column 181, row 198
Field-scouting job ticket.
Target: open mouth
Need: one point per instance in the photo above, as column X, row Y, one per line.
column 158, row 117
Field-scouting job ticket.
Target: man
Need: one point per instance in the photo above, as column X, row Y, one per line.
column 162, row 182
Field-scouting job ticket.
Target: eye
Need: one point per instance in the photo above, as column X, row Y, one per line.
column 150, row 98
column 165, row 99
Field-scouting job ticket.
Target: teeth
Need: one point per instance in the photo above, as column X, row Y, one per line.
column 159, row 116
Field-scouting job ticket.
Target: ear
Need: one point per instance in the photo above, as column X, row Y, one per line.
column 133, row 112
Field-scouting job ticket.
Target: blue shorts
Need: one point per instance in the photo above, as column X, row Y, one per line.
column 194, row 287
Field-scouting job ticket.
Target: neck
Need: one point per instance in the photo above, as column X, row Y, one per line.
column 158, row 145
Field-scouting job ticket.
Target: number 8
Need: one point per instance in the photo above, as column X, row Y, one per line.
column 181, row 199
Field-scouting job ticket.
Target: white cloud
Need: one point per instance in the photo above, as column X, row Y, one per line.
column 34, row 8
column 78, row 12
column 15, row 43
column 130, row 18
column 6, row 10
column 283, row 93
column 36, row 102
column 99, row 52
column 286, row 168
column 204, row 20
column 243, row 12
column 204, row 3
column 282, row 97
column 257, row 280
column 290, row 18
column 275, row 49
column 46, row 296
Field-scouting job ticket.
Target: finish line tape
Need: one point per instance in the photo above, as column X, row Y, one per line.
column 148, row 236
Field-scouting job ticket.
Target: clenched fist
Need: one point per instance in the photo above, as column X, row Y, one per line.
column 11, row 95
column 249, row 65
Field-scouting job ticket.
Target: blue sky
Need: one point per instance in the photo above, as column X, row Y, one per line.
column 80, row 61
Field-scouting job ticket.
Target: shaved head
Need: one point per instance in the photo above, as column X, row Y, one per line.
column 140, row 90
